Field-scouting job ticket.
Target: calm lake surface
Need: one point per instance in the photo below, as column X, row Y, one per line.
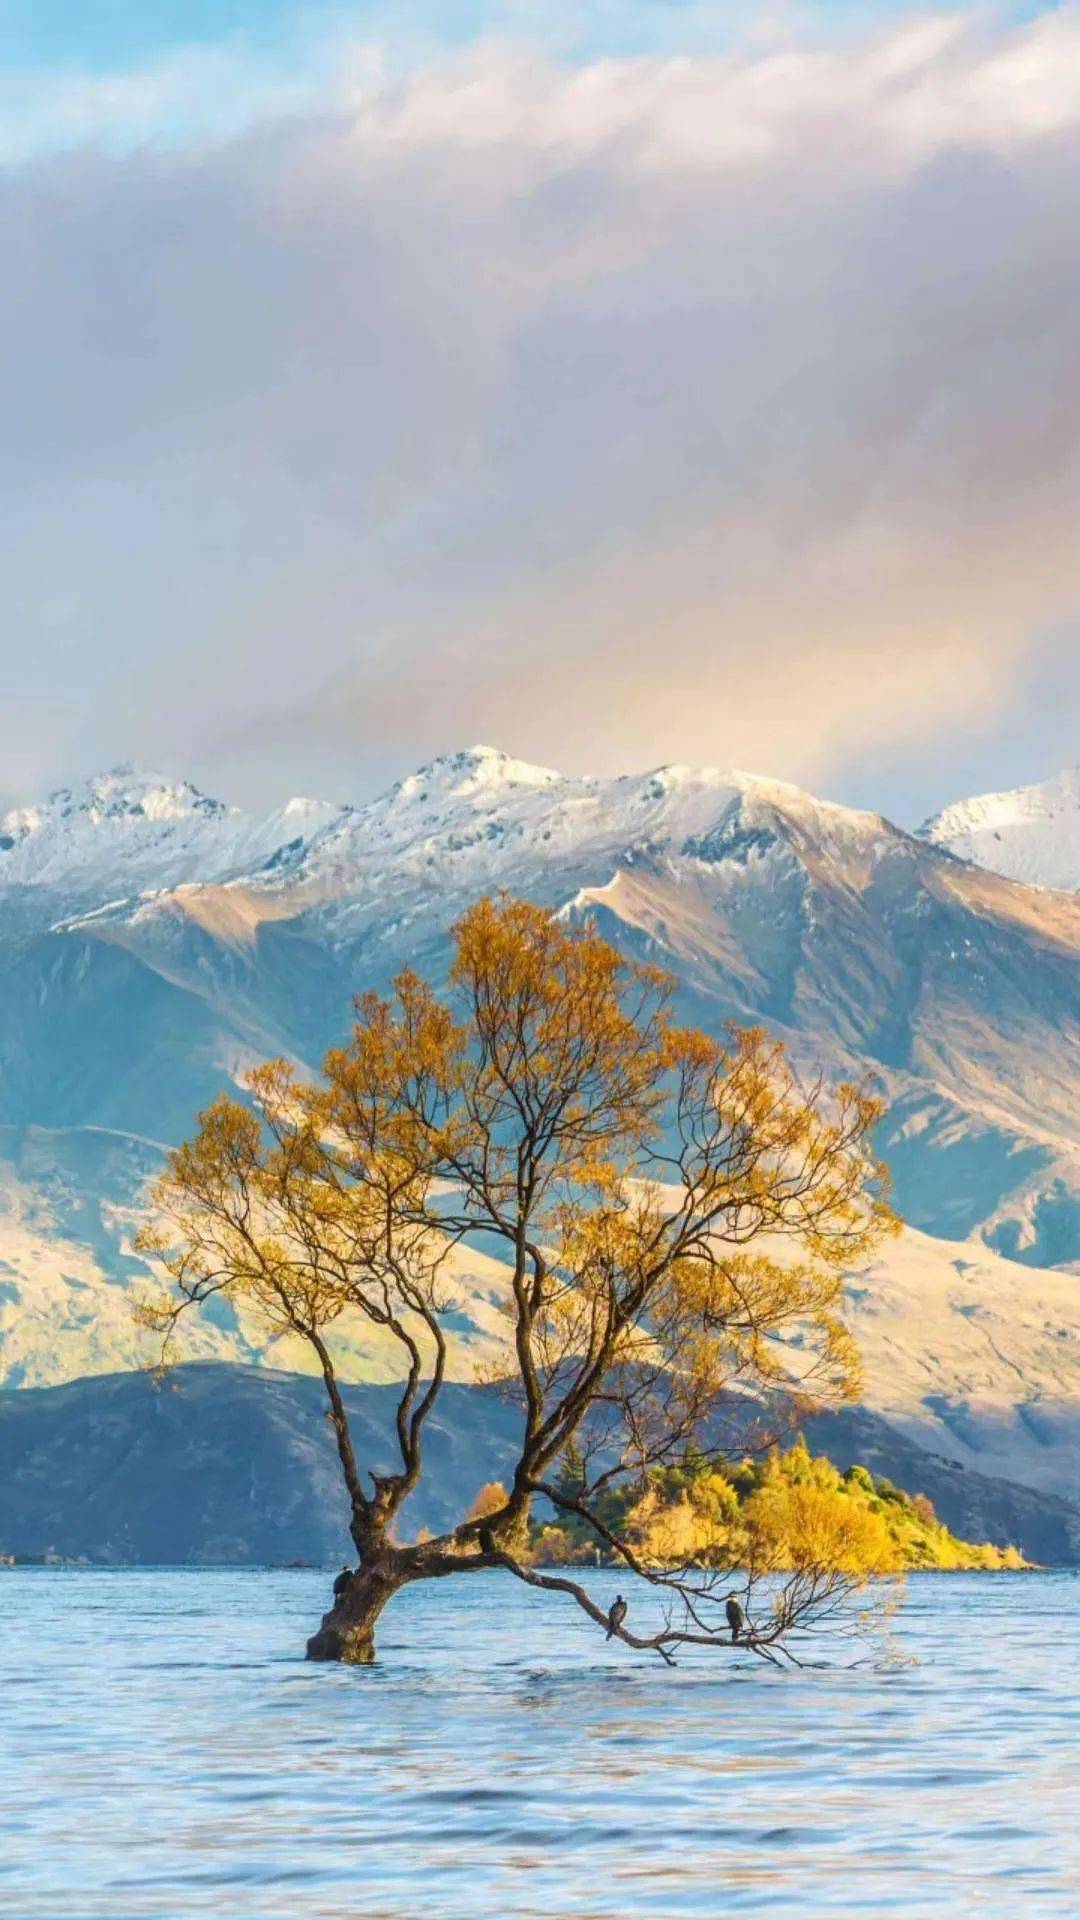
column 166, row 1752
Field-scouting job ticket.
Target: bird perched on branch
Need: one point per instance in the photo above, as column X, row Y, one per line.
column 735, row 1615
column 616, row 1616
column 342, row 1581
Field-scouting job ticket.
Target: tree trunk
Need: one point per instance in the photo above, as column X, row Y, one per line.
column 348, row 1630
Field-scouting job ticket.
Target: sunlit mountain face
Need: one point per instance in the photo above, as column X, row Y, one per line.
column 155, row 942
column 1029, row 833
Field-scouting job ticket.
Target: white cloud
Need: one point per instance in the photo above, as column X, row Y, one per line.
column 723, row 408
column 199, row 93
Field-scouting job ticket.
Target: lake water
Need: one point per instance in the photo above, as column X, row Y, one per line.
column 166, row 1752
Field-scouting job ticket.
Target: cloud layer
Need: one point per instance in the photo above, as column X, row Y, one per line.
column 724, row 409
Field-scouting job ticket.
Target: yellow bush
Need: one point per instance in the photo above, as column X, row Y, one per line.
column 798, row 1525
column 490, row 1499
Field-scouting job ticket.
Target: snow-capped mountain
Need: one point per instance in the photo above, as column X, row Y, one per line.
column 130, row 832
column 127, row 830
column 154, row 942
column 1030, row 833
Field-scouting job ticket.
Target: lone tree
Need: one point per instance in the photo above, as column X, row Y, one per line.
column 676, row 1211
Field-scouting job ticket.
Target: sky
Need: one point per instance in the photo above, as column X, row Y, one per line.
column 617, row 383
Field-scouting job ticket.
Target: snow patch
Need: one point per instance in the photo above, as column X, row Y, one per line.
column 1031, row 834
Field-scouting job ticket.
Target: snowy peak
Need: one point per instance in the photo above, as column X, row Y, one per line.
column 469, row 818
column 125, row 793
column 119, row 830
column 127, row 831
column 480, row 818
column 1031, row 834
column 455, row 787
column 464, row 822
column 473, row 771
column 476, row 820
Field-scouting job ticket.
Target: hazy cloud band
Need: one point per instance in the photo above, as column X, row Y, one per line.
column 718, row 410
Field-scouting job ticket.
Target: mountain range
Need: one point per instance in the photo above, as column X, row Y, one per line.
column 155, row 942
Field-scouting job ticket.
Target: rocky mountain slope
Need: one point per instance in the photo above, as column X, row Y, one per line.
column 70, row 1203
column 961, row 1358
column 153, row 942
column 236, row 1465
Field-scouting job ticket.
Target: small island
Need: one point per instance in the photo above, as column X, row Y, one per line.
column 779, row 1513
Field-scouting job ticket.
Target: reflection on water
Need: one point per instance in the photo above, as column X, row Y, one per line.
column 164, row 1752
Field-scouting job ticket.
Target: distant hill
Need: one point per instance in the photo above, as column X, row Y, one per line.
column 235, row 1465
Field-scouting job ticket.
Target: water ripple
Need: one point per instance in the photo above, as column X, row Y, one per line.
column 166, row 1755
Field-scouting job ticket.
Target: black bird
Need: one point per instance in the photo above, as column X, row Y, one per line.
column 488, row 1542
column 735, row 1616
column 616, row 1616
column 342, row 1580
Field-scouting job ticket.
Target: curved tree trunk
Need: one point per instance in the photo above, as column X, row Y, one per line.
column 348, row 1631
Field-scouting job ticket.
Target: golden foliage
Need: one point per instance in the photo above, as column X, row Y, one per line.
column 794, row 1527
column 677, row 1213
column 791, row 1514
column 490, row 1499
